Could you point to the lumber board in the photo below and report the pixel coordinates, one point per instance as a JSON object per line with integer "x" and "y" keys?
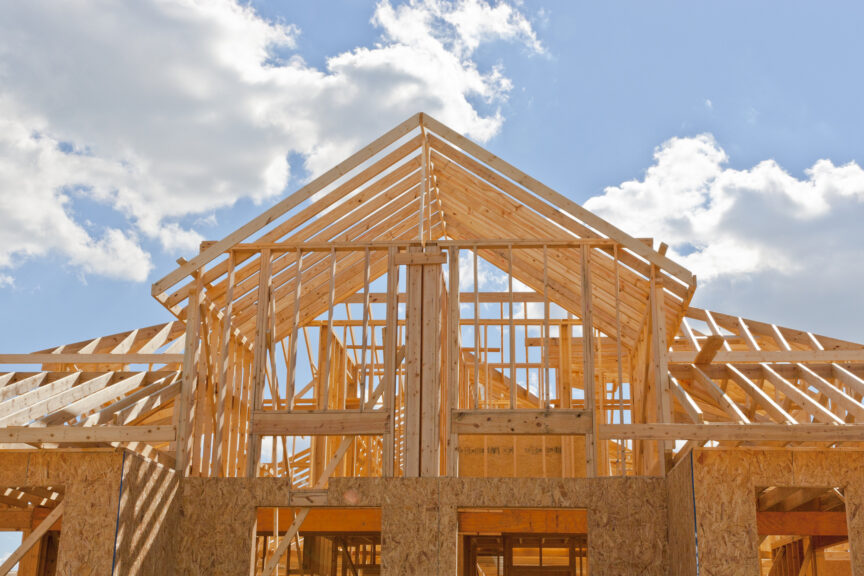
{"x": 329, "y": 423}
{"x": 86, "y": 434}
{"x": 524, "y": 521}
{"x": 521, "y": 421}
{"x": 736, "y": 432}
{"x": 804, "y": 523}
{"x": 78, "y": 358}
{"x": 417, "y": 259}
{"x": 759, "y": 356}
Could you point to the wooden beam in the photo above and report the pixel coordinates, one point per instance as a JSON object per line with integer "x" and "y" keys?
{"x": 801, "y": 524}
{"x": 838, "y": 397}
{"x": 588, "y": 369}
{"x": 413, "y": 368}
{"x": 91, "y": 358}
{"x": 660, "y": 364}
{"x": 453, "y": 358}
{"x": 787, "y": 499}
{"x": 709, "y": 349}
{"x": 184, "y": 412}
{"x": 329, "y": 423}
{"x": 390, "y": 359}
{"x": 760, "y": 396}
{"x": 719, "y": 396}
{"x": 87, "y": 434}
{"x": 16, "y": 520}
{"x": 795, "y": 394}
{"x": 523, "y": 521}
{"x": 290, "y": 244}
{"x": 737, "y": 432}
{"x": 259, "y": 359}
{"x": 556, "y": 421}
{"x": 430, "y": 382}
{"x": 758, "y": 356}
{"x": 694, "y": 412}
{"x": 420, "y": 258}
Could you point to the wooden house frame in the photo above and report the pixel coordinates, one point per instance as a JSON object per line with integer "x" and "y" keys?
{"x": 353, "y": 315}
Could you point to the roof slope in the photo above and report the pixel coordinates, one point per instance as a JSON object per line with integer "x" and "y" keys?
{"x": 424, "y": 183}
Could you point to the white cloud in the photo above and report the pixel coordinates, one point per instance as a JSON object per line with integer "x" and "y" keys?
{"x": 164, "y": 111}
{"x": 37, "y": 184}
{"x": 761, "y": 241}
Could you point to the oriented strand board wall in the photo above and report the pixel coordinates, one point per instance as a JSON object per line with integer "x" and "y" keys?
{"x": 91, "y": 525}
{"x": 149, "y": 513}
{"x": 725, "y": 485}
{"x": 627, "y": 526}
{"x": 92, "y": 482}
{"x": 217, "y": 518}
{"x": 626, "y": 517}
{"x": 682, "y": 536}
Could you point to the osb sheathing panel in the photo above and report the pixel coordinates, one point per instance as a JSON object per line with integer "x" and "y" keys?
{"x": 627, "y": 526}
{"x": 92, "y": 488}
{"x": 410, "y": 530}
{"x": 626, "y": 517}
{"x": 725, "y": 489}
{"x": 217, "y": 517}
{"x": 149, "y": 512}
{"x": 682, "y": 536}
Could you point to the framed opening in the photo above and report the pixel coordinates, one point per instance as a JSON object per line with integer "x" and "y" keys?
{"x": 30, "y": 523}
{"x": 329, "y": 541}
{"x": 523, "y": 542}
{"x": 803, "y": 531}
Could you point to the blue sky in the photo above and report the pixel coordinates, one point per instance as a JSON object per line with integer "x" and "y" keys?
{"x": 594, "y": 90}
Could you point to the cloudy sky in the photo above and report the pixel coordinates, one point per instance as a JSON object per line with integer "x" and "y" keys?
{"x": 130, "y": 131}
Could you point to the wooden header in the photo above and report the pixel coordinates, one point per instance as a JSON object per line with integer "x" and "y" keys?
{"x": 558, "y": 421}
{"x": 329, "y": 423}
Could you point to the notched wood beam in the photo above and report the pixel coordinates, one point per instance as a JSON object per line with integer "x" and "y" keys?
{"x": 709, "y": 349}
